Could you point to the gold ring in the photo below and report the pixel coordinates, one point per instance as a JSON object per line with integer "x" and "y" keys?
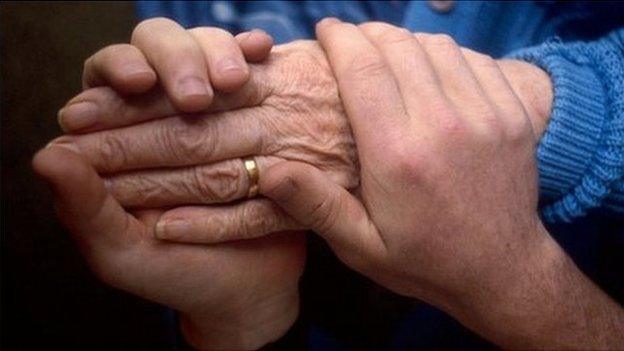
{"x": 253, "y": 175}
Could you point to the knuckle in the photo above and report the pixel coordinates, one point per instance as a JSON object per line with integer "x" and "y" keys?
{"x": 323, "y": 215}
{"x": 406, "y": 164}
{"x": 374, "y": 27}
{"x": 443, "y": 42}
{"x": 395, "y": 36}
{"x": 209, "y": 32}
{"x": 256, "y": 221}
{"x": 446, "y": 117}
{"x": 367, "y": 66}
{"x": 519, "y": 129}
{"x": 490, "y": 118}
{"x": 481, "y": 60}
{"x": 186, "y": 142}
{"x": 490, "y": 132}
{"x": 219, "y": 183}
{"x": 422, "y": 37}
{"x": 145, "y": 29}
{"x": 113, "y": 151}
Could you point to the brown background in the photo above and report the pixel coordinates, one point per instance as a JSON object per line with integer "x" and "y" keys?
{"x": 48, "y": 296}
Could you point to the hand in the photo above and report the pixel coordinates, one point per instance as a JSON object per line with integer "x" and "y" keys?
{"x": 189, "y": 65}
{"x": 447, "y": 207}
{"x": 295, "y": 115}
{"x": 233, "y": 296}
{"x": 238, "y": 295}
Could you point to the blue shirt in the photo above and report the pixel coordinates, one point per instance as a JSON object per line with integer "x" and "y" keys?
{"x": 580, "y": 157}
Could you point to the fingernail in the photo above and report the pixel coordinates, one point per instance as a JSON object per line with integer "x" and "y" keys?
{"x": 77, "y": 116}
{"x": 228, "y": 65}
{"x": 172, "y": 229}
{"x": 192, "y": 86}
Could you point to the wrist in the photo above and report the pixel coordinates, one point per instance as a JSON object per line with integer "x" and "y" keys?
{"x": 542, "y": 300}
{"x": 247, "y": 329}
{"x": 533, "y": 87}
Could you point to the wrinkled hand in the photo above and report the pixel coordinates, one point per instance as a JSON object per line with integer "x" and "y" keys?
{"x": 238, "y": 295}
{"x": 447, "y": 206}
{"x": 289, "y": 110}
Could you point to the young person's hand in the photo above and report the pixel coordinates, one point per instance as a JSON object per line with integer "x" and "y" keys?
{"x": 190, "y": 65}
{"x": 446, "y": 210}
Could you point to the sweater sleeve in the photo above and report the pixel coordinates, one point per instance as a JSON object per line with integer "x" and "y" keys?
{"x": 581, "y": 155}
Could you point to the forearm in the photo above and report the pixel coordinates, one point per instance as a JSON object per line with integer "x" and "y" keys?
{"x": 547, "y": 303}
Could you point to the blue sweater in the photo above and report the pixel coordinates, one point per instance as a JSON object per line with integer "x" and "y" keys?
{"x": 580, "y": 157}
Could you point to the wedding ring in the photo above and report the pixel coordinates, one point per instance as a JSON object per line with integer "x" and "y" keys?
{"x": 253, "y": 175}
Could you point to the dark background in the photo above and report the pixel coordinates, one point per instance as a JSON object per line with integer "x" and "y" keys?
{"x": 48, "y": 295}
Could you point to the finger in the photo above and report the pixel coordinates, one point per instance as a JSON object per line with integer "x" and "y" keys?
{"x": 178, "y": 60}
{"x": 226, "y": 63}
{"x": 456, "y": 79}
{"x": 122, "y": 66}
{"x": 85, "y": 208}
{"x": 409, "y": 63}
{"x": 256, "y": 44}
{"x": 214, "y": 183}
{"x": 103, "y": 108}
{"x": 174, "y": 141}
{"x": 367, "y": 87}
{"x": 209, "y": 225}
{"x": 497, "y": 88}
{"x": 321, "y": 205}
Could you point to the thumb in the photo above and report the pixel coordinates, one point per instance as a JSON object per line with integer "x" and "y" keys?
{"x": 83, "y": 204}
{"x": 307, "y": 195}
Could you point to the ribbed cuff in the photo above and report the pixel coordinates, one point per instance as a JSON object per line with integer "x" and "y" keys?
{"x": 580, "y": 157}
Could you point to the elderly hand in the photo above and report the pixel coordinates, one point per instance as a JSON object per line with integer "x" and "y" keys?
{"x": 238, "y": 295}
{"x": 290, "y": 111}
{"x": 447, "y": 206}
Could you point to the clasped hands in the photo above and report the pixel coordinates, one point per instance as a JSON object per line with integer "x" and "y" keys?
{"x": 412, "y": 157}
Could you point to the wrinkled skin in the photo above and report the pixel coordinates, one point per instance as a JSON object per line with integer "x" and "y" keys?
{"x": 236, "y": 295}
{"x": 291, "y": 111}
{"x": 294, "y": 113}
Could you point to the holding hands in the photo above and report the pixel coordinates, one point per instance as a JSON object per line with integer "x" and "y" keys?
{"x": 438, "y": 201}
{"x": 235, "y": 295}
